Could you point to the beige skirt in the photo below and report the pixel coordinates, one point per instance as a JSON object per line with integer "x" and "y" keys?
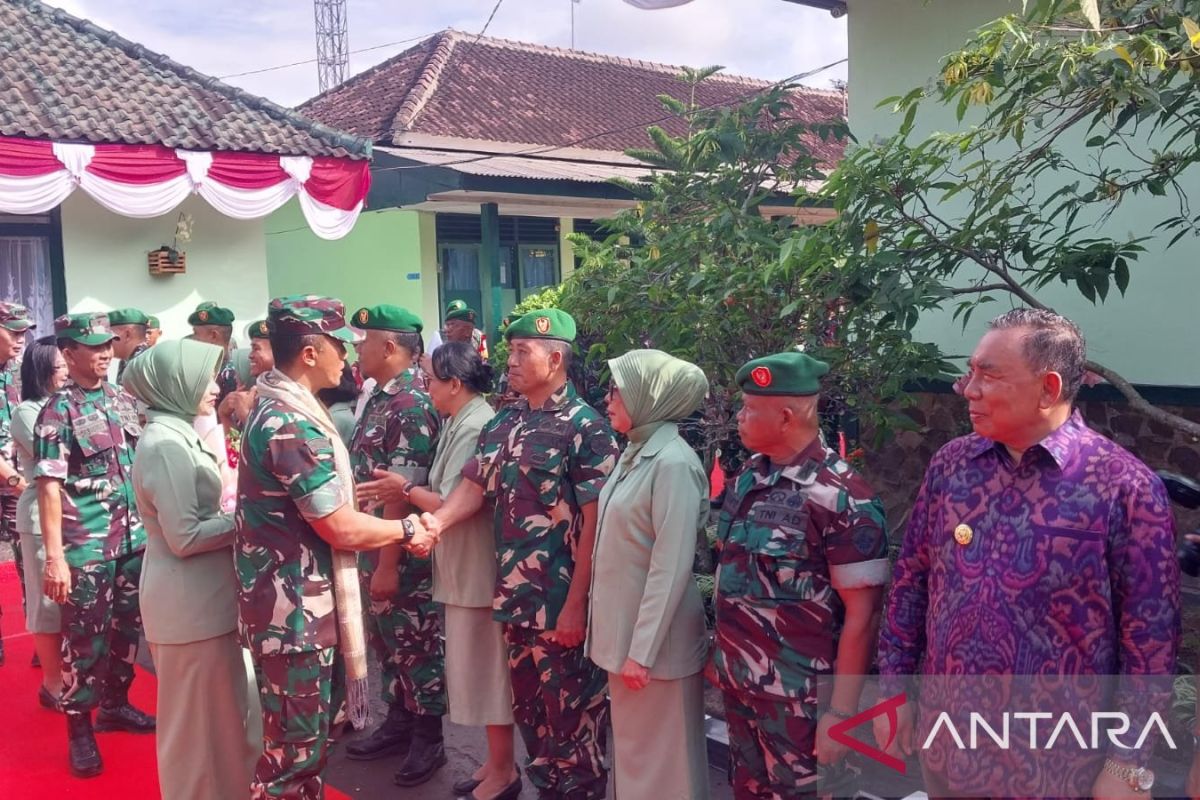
{"x": 204, "y": 749}
{"x": 42, "y": 615}
{"x": 477, "y": 682}
{"x": 658, "y": 739}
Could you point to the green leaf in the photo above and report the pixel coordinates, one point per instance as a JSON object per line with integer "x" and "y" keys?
{"x": 1084, "y": 284}
{"x": 1121, "y": 274}
{"x": 1096, "y": 141}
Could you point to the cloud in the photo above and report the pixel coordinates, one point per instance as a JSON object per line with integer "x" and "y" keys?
{"x": 760, "y": 38}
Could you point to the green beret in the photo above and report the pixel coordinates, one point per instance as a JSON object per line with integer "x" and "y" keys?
{"x": 259, "y": 330}
{"x": 90, "y": 328}
{"x": 545, "y": 323}
{"x": 791, "y": 373}
{"x": 209, "y": 313}
{"x": 386, "y": 317}
{"x": 459, "y": 309}
{"x": 128, "y": 316}
{"x": 307, "y": 314}
{"x": 153, "y": 324}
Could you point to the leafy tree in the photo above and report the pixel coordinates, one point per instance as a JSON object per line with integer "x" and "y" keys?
{"x": 703, "y": 270}
{"x": 1077, "y": 108}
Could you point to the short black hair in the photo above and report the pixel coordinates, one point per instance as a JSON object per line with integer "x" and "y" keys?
{"x": 461, "y": 360}
{"x": 286, "y": 347}
{"x": 37, "y": 368}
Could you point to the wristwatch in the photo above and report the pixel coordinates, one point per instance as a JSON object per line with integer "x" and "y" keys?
{"x": 409, "y": 530}
{"x": 14, "y": 480}
{"x": 1140, "y": 779}
{"x": 407, "y": 488}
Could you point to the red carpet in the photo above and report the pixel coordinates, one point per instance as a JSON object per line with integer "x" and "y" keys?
{"x": 33, "y": 741}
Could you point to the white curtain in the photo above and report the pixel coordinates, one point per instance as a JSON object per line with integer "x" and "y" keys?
{"x": 25, "y": 278}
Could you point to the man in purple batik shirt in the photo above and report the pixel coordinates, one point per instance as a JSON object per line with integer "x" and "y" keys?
{"x": 1037, "y": 547}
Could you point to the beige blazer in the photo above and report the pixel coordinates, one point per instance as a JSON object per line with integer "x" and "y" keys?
{"x": 644, "y": 601}
{"x": 188, "y": 587}
{"x": 464, "y": 561}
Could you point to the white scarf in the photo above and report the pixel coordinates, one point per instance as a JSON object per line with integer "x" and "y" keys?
{"x": 351, "y": 633}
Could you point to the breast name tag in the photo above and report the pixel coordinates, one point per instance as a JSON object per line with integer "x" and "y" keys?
{"x": 89, "y": 426}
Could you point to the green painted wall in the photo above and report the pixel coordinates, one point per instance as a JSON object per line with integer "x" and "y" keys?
{"x": 104, "y": 258}
{"x": 1148, "y": 335}
{"x": 389, "y": 257}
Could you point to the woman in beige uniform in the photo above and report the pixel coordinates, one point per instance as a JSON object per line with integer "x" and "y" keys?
{"x": 464, "y": 575}
{"x": 646, "y": 625}
{"x": 188, "y": 585}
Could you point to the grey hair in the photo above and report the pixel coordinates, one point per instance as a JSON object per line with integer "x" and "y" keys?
{"x": 558, "y": 346}
{"x": 1053, "y": 344}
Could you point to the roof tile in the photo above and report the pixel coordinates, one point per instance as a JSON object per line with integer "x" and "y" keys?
{"x": 467, "y": 87}
{"x": 62, "y": 77}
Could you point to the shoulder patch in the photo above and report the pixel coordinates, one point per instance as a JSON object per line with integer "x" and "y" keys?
{"x": 318, "y": 444}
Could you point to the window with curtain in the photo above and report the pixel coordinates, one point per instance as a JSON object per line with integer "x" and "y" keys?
{"x": 539, "y": 267}
{"x": 25, "y": 277}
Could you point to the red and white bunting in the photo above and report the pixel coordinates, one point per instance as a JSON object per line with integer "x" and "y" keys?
{"x": 144, "y": 181}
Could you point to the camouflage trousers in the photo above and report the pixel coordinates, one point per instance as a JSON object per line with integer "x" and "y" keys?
{"x": 101, "y": 625}
{"x": 406, "y": 634}
{"x": 561, "y": 709}
{"x": 299, "y": 693}
{"x": 771, "y": 744}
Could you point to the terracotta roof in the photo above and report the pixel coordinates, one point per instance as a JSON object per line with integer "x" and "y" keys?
{"x": 463, "y": 87}
{"x": 65, "y": 78}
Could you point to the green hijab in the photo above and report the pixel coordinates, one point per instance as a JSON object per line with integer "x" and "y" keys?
{"x": 173, "y": 376}
{"x": 656, "y": 388}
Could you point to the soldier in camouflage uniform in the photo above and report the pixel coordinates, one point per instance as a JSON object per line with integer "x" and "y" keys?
{"x": 395, "y": 438}
{"x": 213, "y": 324}
{"x": 83, "y": 441}
{"x": 543, "y": 460}
{"x": 800, "y": 576}
{"x": 14, "y": 322}
{"x": 294, "y": 506}
{"x": 153, "y": 330}
{"x": 131, "y": 326}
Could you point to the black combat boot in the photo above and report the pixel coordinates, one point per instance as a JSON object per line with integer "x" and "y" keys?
{"x": 123, "y": 717}
{"x": 393, "y": 736}
{"x": 426, "y": 754}
{"x": 81, "y": 746}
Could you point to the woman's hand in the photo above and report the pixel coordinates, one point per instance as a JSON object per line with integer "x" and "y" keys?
{"x": 635, "y": 676}
{"x": 387, "y": 488}
{"x": 56, "y": 580}
{"x": 384, "y": 583}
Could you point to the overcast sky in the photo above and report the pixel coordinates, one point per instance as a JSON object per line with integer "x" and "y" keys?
{"x": 760, "y": 38}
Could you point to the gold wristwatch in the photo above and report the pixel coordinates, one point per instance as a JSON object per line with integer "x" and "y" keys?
{"x": 1140, "y": 779}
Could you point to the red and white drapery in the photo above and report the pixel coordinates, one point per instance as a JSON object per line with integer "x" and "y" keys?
{"x": 143, "y": 181}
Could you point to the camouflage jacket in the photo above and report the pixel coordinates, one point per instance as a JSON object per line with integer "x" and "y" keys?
{"x": 398, "y": 428}
{"x": 10, "y": 398}
{"x": 789, "y": 537}
{"x": 540, "y": 466}
{"x": 286, "y": 477}
{"x": 85, "y": 438}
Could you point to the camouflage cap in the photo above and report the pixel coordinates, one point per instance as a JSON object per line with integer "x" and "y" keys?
{"x": 128, "y": 316}
{"x": 209, "y": 313}
{"x": 306, "y": 314}
{"x": 458, "y": 309}
{"x": 386, "y": 317}
{"x": 15, "y": 317}
{"x": 152, "y": 323}
{"x": 259, "y": 330}
{"x": 545, "y": 323}
{"x": 791, "y": 373}
{"x": 90, "y": 328}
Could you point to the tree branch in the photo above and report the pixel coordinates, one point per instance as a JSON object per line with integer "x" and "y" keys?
{"x": 985, "y": 287}
{"x": 1142, "y": 405}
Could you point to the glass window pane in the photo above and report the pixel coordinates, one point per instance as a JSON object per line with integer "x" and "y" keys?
{"x": 539, "y": 267}
{"x": 25, "y": 277}
{"x": 461, "y": 268}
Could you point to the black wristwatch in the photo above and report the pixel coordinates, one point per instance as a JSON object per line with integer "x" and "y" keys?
{"x": 406, "y": 490}
{"x": 409, "y": 530}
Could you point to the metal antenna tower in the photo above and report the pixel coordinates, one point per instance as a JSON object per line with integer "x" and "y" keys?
{"x": 332, "y": 42}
